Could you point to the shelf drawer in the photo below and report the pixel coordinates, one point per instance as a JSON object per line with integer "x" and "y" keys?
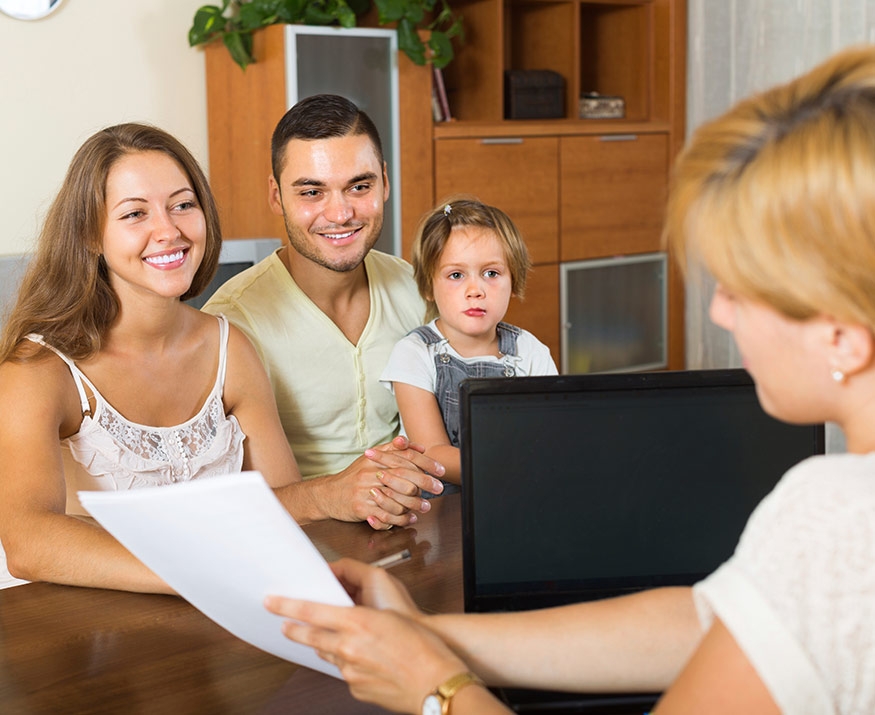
{"x": 613, "y": 194}
{"x": 518, "y": 175}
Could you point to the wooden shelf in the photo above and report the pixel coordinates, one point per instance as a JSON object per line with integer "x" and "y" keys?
{"x": 577, "y": 188}
{"x": 546, "y": 127}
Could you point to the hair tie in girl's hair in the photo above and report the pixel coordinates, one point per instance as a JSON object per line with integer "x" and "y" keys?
{"x": 448, "y": 210}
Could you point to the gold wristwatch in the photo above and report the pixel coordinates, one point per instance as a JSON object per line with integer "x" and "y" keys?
{"x": 438, "y": 702}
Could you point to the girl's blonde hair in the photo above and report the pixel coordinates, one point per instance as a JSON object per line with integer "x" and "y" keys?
{"x": 462, "y": 210}
{"x": 65, "y": 294}
{"x": 777, "y": 196}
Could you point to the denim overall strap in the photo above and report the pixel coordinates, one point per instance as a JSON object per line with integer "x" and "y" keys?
{"x": 507, "y": 337}
{"x": 450, "y": 371}
{"x": 428, "y": 336}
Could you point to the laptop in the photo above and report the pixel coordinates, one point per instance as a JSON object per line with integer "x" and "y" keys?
{"x": 579, "y": 487}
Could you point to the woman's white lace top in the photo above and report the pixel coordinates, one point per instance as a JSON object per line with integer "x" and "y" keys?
{"x": 798, "y": 594}
{"x": 111, "y": 453}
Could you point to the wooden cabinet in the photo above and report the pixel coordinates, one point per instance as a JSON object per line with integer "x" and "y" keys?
{"x": 579, "y": 189}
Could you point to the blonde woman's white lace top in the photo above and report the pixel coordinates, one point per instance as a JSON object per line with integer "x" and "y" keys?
{"x": 798, "y": 594}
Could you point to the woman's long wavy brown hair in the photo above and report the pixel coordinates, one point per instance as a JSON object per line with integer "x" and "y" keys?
{"x": 65, "y": 294}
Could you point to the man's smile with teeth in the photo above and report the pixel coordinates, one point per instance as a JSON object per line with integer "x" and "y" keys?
{"x": 166, "y": 258}
{"x": 336, "y": 236}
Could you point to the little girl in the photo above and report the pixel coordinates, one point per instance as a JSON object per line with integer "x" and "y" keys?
{"x": 468, "y": 260}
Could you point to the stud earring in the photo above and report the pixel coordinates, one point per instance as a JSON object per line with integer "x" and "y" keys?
{"x": 837, "y": 375}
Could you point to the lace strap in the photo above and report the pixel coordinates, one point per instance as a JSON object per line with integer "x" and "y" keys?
{"x": 78, "y": 376}
{"x": 224, "y": 332}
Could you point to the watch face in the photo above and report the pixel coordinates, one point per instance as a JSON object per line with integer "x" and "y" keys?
{"x": 432, "y": 706}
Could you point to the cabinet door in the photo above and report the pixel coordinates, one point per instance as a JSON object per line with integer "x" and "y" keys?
{"x": 613, "y": 194}
{"x": 519, "y": 176}
{"x": 539, "y": 313}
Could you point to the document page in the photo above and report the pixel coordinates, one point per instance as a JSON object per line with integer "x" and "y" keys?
{"x": 224, "y": 544}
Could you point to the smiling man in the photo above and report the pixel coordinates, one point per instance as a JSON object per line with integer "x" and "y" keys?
{"x": 325, "y": 310}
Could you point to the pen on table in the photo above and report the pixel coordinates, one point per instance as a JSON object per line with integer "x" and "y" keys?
{"x": 391, "y": 559}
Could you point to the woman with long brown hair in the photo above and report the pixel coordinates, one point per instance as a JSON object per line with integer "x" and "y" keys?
{"x": 108, "y": 380}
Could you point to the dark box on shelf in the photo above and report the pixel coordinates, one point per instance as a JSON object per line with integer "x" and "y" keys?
{"x": 534, "y": 94}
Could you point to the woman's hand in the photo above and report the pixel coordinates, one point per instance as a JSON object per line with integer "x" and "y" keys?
{"x": 374, "y": 587}
{"x": 385, "y": 658}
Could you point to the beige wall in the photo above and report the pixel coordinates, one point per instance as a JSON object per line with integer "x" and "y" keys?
{"x": 90, "y": 64}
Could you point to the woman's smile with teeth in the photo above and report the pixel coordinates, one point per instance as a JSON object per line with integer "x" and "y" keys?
{"x": 166, "y": 258}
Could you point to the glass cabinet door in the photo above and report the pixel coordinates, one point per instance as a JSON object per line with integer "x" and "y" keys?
{"x": 614, "y": 314}
{"x": 360, "y": 64}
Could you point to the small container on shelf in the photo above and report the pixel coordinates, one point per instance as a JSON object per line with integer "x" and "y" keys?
{"x": 534, "y": 94}
{"x": 596, "y": 106}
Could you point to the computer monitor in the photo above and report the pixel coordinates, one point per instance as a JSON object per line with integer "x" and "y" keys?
{"x": 576, "y": 487}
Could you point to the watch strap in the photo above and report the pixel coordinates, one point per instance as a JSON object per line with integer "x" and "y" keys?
{"x": 453, "y": 685}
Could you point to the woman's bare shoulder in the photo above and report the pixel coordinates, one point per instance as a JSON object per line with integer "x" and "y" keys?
{"x": 40, "y": 387}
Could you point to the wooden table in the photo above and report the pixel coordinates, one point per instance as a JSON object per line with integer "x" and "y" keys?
{"x": 82, "y": 650}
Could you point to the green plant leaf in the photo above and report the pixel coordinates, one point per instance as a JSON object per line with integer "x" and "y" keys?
{"x": 316, "y": 13}
{"x": 236, "y": 20}
{"x": 409, "y": 41}
{"x": 389, "y": 11}
{"x": 340, "y": 12}
{"x": 441, "y": 48}
{"x": 291, "y": 11}
{"x": 457, "y": 29}
{"x": 208, "y": 22}
{"x": 239, "y": 44}
{"x": 254, "y": 15}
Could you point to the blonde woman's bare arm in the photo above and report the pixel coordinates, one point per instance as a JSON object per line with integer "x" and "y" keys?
{"x": 718, "y": 679}
{"x": 635, "y": 643}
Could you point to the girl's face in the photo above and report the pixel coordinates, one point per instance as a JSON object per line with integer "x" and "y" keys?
{"x": 783, "y": 356}
{"x": 155, "y": 230}
{"x": 471, "y": 284}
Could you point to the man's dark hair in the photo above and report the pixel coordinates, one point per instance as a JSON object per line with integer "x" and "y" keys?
{"x": 322, "y": 116}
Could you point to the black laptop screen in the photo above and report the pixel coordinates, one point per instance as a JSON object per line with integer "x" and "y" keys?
{"x": 586, "y": 486}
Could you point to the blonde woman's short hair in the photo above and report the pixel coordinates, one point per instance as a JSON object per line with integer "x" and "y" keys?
{"x": 777, "y": 196}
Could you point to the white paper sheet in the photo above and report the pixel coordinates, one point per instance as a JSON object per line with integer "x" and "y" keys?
{"x": 224, "y": 544}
